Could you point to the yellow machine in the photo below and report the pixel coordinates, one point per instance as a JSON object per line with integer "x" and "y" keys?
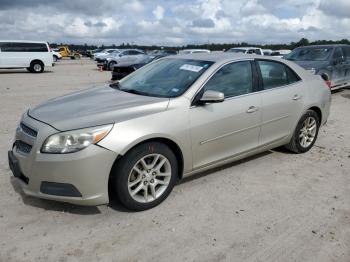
{"x": 65, "y": 52}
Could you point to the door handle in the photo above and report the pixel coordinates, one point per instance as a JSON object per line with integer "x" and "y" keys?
{"x": 252, "y": 109}
{"x": 296, "y": 97}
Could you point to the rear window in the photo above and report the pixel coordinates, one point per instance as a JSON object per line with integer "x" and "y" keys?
{"x": 23, "y": 47}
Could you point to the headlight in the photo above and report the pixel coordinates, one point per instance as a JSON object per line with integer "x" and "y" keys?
{"x": 76, "y": 140}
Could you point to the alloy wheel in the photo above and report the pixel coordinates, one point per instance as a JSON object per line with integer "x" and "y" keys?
{"x": 149, "y": 178}
{"x": 308, "y": 132}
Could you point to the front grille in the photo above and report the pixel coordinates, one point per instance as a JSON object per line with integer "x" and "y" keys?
{"x": 23, "y": 147}
{"x": 29, "y": 131}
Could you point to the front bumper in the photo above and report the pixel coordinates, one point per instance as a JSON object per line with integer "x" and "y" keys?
{"x": 77, "y": 178}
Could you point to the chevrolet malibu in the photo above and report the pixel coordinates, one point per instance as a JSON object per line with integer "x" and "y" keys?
{"x": 174, "y": 117}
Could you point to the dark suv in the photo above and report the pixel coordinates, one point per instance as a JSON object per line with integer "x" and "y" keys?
{"x": 332, "y": 62}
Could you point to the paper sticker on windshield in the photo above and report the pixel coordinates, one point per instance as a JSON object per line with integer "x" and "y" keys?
{"x": 192, "y": 68}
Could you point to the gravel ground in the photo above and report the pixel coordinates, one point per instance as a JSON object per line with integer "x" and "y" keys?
{"x": 275, "y": 206}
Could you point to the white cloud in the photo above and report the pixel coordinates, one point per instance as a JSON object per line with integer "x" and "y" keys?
{"x": 175, "y": 21}
{"x": 158, "y": 12}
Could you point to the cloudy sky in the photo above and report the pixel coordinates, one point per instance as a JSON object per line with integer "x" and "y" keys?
{"x": 174, "y": 22}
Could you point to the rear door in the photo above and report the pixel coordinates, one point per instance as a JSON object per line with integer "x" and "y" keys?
{"x": 282, "y": 100}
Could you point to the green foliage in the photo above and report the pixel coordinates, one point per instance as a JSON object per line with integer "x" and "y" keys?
{"x": 210, "y": 46}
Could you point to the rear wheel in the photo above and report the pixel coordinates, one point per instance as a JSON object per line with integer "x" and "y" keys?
{"x": 55, "y": 58}
{"x": 145, "y": 176}
{"x": 305, "y": 134}
{"x": 36, "y": 67}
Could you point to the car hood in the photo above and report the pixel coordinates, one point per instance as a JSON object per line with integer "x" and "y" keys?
{"x": 95, "y": 106}
{"x": 311, "y": 64}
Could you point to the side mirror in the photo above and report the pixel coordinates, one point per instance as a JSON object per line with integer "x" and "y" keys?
{"x": 211, "y": 96}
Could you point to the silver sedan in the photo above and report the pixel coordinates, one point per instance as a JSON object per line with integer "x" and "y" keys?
{"x": 172, "y": 118}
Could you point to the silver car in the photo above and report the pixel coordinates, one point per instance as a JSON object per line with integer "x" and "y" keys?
{"x": 172, "y": 118}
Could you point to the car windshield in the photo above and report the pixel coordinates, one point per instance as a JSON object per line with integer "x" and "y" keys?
{"x": 164, "y": 78}
{"x": 309, "y": 54}
{"x": 236, "y": 50}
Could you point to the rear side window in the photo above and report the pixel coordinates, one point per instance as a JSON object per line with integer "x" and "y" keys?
{"x": 233, "y": 79}
{"x": 276, "y": 74}
{"x": 23, "y": 47}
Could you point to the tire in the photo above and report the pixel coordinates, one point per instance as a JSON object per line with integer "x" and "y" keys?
{"x": 303, "y": 139}
{"x": 130, "y": 175}
{"x": 111, "y": 65}
{"x": 55, "y": 58}
{"x": 36, "y": 67}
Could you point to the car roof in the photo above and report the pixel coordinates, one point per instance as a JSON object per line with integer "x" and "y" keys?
{"x": 217, "y": 57}
{"x": 245, "y": 47}
{"x": 322, "y": 46}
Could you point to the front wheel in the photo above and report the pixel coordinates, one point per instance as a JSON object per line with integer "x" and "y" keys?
{"x": 111, "y": 65}
{"x": 145, "y": 176}
{"x": 305, "y": 134}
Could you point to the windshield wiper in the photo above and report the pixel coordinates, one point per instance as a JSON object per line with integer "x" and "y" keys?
{"x": 134, "y": 91}
{"x": 115, "y": 85}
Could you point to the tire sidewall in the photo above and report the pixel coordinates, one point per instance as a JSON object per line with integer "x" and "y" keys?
{"x": 309, "y": 113}
{"x": 37, "y": 63}
{"x": 127, "y": 162}
{"x": 110, "y": 64}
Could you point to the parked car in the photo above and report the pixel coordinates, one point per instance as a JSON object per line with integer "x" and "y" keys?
{"x": 246, "y": 50}
{"x": 193, "y": 51}
{"x": 102, "y": 56}
{"x": 330, "y": 61}
{"x": 35, "y": 56}
{"x": 126, "y": 55}
{"x": 267, "y": 51}
{"x": 280, "y": 53}
{"x": 56, "y": 55}
{"x": 172, "y": 118}
{"x": 162, "y": 52}
{"x": 123, "y": 69}
{"x": 104, "y": 52}
{"x": 66, "y": 52}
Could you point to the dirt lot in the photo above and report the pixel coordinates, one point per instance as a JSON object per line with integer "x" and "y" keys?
{"x": 275, "y": 206}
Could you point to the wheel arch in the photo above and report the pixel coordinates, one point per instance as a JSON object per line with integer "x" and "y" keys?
{"x": 318, "y": 112}
{"x": 167, "y": 141}
{"x": 36, "y": 60}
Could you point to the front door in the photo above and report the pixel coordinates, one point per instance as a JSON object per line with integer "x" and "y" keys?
{"x": 222, "y": 130}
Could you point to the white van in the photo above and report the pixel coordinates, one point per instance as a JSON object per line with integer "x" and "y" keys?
{"x": 33, "y": 55}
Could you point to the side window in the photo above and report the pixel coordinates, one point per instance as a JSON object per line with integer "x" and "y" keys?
{"x": 125, "y": 53}
{"x": 273, "y": 74}
{"x": 134, "y": 52}
{"x": 292, "y": 76}
{"x": 346, "y": 51}
{"x": 233, "y": 79}
{"x": 5, "y": 47}
{"x": 258, "y": 52}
